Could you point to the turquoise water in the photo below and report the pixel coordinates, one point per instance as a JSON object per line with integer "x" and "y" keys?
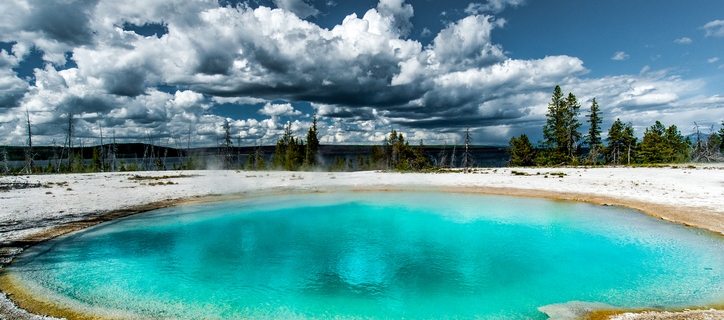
{"x": 375, "y": 255}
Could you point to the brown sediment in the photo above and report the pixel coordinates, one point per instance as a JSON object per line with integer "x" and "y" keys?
{"x": 688, "y": 216}
{"x": 36, "y": 305}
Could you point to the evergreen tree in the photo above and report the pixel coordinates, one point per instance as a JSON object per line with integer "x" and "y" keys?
{"x": 663, "y": 145}
{"x": 77, "y": 165}
{"x": 653, "y": 146}
{"x": 678, "y": 146}
{"x": 552, "y": 130}
{"x": 594, "y": 133}
{"x": 560, "y": 133}
{"x": 522, "y": 152}
{"x": 398, "y": 154}
{"x": 629, "y": 143}
{"x": 573, "y": 136}
{"x": 720, "y": 133}
{"x": 95, "y": 164}
{"x": 294, "y": 155}
{"x": 621, "y": 143}
{"x": 310, "y": 155}
{"x": 280, "y": 152}
{"x": 377, "y": 158}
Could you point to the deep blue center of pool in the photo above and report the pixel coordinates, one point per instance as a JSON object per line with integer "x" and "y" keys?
{"x": 375, "y": 255}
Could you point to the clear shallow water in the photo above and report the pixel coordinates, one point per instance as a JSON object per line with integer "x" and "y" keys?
{"x": 375, "y": 255}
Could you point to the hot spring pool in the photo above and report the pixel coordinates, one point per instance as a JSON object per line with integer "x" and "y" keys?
{"x": 374, "y": 255}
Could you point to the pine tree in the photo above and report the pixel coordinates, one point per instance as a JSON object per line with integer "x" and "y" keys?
{"x": 629, "y": 142}
{"x": 310, "y": 155}
{"x": 573, "y": 136}
{"x": 560, "y": 133}
{"x": 294, "y": 157}
{"x": 377, "y": 157}
{"x": 594, "y": 133}
{"x": 552, "y": 134}
{"x": 280, "y": 152}
{"x": 522, "y": 152}
{"x": 720, "y": 133}
{"x": 677, "y": 144}
{"x": 96, "y": 163}
{"x": 615, "y": 142}
{"x": 664, "y": 145}
{"x": 621, "y": 143}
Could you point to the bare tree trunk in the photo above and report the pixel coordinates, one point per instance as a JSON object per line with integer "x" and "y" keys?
{"x": 29, "y": 152}
{"x": 467, "y": 158}
{"x": 103, "y": 157}
{"x": 112, "y": 152}
{"x": 69, "y": 142}
{"x": 452, "y": 158}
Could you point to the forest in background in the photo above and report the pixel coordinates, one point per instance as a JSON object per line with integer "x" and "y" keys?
{"x": 289, "y": 153}
{"x": 563, "y": 144}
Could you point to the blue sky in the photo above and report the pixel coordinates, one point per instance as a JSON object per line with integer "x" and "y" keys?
{"x": 427, "y": 68}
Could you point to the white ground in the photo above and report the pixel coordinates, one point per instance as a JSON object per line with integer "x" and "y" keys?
{"x": 690, "y": 195}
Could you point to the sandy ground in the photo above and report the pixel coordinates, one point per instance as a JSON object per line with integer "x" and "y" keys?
{"x": 688, "y": 195}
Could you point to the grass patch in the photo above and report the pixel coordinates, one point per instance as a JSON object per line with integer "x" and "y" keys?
{"x": 141, "y": 178}
{"x": 559, "y": 174}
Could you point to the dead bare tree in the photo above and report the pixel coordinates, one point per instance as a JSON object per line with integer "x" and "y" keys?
{"x": 443, "y": 155}
{"x": 704, "y": 150}
{"x": 68, "y": 141}
{"x": 112, "y": 152}
{"x": 103, "y": 157}
{"x": 29, "y": 151}
{"x": 145, "y": 151}
{"x": 165, "y": 153}
{"x": 227, "y": 145}
{"x": 467, "y": 159}
{"x": 238, "y": 150}
{"x": 452, "y": 157}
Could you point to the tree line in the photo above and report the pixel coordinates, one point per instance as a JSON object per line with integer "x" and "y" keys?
{"x": 290, "y": 153}
{"x": 564, "y": 144}
{"x": 293, "y": 154}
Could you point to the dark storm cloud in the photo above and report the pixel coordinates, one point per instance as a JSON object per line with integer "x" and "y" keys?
{"x": 12, "y": 90}
{"x": 64, "y": 21}
{"x": 127, "y": 82}
{"x": 456, "y": 118}
{"x": 374, "y": 93}
{"x": 215, "y": 63}
{"x": 10, "y": 98}
{"x": 85, "y": 105}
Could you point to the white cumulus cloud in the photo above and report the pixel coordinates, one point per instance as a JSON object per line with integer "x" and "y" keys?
{"x": 714, "y": 28}
{"x": 620, "y": 56}
{"x": 684, "y": 40}
{"x": 284, "y": 109}
{"x": 493, "y": 6}
{"x": 361, "y": 76}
